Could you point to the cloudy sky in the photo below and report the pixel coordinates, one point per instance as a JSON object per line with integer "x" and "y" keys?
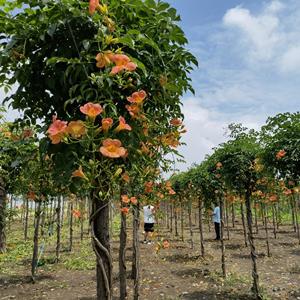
{"x": 249, "y": 66}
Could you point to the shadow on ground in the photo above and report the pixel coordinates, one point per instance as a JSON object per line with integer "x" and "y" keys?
{"x": 219, "y": 296}
{"x": 193, "y": 272}
{"x": 15, "y": 279}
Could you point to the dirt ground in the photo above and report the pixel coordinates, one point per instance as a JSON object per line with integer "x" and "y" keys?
{"x": 178, "y": 272}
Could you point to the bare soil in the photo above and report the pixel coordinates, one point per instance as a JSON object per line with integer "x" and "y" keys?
{"x": 178, "y": 272}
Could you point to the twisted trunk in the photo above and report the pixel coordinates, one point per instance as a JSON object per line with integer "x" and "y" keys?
{"x": 101, "y": 245}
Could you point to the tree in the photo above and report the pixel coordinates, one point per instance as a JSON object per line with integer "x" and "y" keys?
{"x": 140, "y": 72}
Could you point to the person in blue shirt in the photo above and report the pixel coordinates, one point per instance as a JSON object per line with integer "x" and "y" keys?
{"x": 217, "y": 221}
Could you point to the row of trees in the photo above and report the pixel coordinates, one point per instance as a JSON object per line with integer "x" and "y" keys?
{"x": 255, "y": 169}
{"x": 110, "y": 77}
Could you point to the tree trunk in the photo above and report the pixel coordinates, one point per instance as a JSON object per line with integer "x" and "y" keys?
{"x": 71, "y": 227}
{"x": 255, "y": 218}
{"x": 10, "y": 220}
{"x": 266, "y": 230}
{"x": 274, "y": 222}
{"x": 227, "y": 219}
{"x": 34, "y": 261}
{"x": 190, "y": 224}
{"x": 182, "y": 220}
{"x": 26, "y": 219}
{"x": 176, "y": 219}
{"x": 171, "y": 217}
{"x": 222, "y": 238}
{"x": 293, "y": 214}
{"x": 296, "y": 218}
{"x": 255, "y": 283}
{"x": 135, "y": 274}
{"x": 244, "y": 224}
{"x": 122, "y": 258}
{"x": 200, "y": 206}
{"x": 101, "y": 245}
{"x": 2, "y": 216}
{"x": 58, "y": 228}
{"x": 232, "y": 215}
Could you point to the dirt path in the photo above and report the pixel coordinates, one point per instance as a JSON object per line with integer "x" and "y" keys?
{"x": 176, "y": 273}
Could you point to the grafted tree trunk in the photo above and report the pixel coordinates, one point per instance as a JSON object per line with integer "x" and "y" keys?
{"x": 122, "y": 257}
{"x": 2, "y": 216}
{"x": 101, "y": 245}
{"x": 255, "y": 279}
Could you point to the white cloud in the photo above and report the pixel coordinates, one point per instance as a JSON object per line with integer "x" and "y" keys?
{"x": 271, "y": 36}
{"x": 261, "y": 30}
{"x": 290, "y": 60}
{"x": 206, "y": 129}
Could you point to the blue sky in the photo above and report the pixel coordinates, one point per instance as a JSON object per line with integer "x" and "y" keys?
{"x": 249, "y": 66}
{"x": 249, "y": 56}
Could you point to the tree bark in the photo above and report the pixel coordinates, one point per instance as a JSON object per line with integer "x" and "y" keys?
{"x": 232, "y": 215}
{"x": 222, "y": 238}
{"x": 101, "y": 245}
{"x": 71, "y": 227}
{"x": 2, "y": 216}
{"x": 190, "y": 224}
{"x": 267, "y": 233}
{"x": 182, "y": 220}
{"x": 34, "y": 261}
{"x": 227, "y": 219}
{"x": 274, "y": 222}
{"x": 26, "y": 219}
{"x": 200, "y": 207}
{"x": 122, "y": 258}
{"x": 255, "y": 282}
{"x": 58, "y": 228}
{"x": 176, "y": 219}
{"x": 255, "y": 218}
{"x": 135, "y": 272}
{"x": 244, "y": 225}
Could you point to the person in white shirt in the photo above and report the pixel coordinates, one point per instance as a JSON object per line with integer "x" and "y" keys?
{"x": 148, "y": 222}
{"x": 217, "y": 221}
